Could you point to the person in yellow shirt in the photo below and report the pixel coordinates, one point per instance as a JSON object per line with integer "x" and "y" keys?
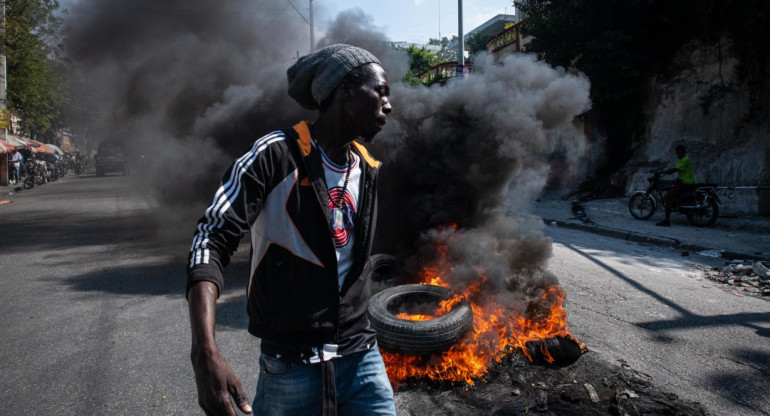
{"x": 684, "y": 181}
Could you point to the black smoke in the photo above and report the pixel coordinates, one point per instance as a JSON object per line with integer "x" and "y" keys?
{"x": 189, "y": 85}
{"x": 465, "y": 161}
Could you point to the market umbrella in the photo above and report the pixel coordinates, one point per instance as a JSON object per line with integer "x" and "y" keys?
{"x": 17, "y": 141}
{"x": 32, "y": 144}
{"x": 41, "y": 149}
{"x": 54, "y": 148}
{"x": 67, "y": 147}
{"x": 6, "y": 147}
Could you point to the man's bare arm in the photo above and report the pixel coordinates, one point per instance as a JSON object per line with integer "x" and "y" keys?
{"x": 216, "y": 381}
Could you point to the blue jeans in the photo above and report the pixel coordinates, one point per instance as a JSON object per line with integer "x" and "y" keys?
{"x": 289, "y": 388}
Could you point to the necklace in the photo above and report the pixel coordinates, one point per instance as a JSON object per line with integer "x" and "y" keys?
{"x": 340, "y": 212}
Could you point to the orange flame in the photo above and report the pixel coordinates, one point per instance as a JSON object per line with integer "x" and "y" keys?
{"x": 497, "y": 332}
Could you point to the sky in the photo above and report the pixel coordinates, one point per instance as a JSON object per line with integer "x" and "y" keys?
{"x": 413, "y": 21}
{"x": 416, "y": 21}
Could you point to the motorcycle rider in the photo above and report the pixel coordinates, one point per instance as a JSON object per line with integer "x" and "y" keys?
{"x": 684, "y": 181}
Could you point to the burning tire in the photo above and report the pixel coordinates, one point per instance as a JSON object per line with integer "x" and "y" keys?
{"x": 418, "y": 337}
{"x": 383, "y": 270}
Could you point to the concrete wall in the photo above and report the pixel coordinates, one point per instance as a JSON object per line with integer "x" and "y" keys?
{"x": 705, "y": 107}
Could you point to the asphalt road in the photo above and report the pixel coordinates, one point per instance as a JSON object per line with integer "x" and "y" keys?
{"x": 94, "y": 318}
{"x": 95, "y": 321}
{"x": 648, "y": 307}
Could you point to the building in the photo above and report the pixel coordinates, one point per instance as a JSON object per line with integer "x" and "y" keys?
{"x": 509, "y": 40}
{"x": 502, "y": 34}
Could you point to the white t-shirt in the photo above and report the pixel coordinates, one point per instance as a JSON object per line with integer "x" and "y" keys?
{"x": 335, "y": 181}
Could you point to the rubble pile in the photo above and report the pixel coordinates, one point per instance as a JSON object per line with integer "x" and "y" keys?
{"x": 750, "y": 277}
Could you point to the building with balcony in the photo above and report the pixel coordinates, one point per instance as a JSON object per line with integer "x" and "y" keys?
{"x": 508, "y": 40}
{"x": 502, "y": 34}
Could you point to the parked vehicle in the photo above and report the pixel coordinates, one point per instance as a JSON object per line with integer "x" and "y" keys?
{"x": 35, "y": 174}
{"x": 700, "y": 204}
{"x": 78, "y": 166}
{"x": 111, "y": 158}
{"x": 62, "y": 167}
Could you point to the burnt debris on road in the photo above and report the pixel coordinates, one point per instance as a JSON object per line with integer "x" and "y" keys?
{"x": 515, "y": 386}
{"x": 741, "y": 276}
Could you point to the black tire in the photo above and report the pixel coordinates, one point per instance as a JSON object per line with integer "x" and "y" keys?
{"x": 418, "y": 337}
{"x": 642, "y": 206}
{"x": 704, "y": 217}
{"x": 382, "y": 266}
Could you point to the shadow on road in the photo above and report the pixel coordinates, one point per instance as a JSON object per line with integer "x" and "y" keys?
{"x": 735, "y": 386}
{"x": 167, "y": 279}
{"x": 688, "y": 319}
{"x": 730, "y": 385}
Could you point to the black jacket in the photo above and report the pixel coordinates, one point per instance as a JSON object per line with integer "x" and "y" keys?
{"x": 277, "y": 192}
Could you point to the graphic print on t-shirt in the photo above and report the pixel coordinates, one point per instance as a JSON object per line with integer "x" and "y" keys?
{"x": 335, "y": 180}
{"x": 342, "y": 236}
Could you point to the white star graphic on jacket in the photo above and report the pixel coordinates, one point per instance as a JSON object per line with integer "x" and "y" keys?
{"x": 273, "y": 226}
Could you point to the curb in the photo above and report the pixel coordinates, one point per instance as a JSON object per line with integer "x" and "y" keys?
{"x": 647, "y": 239}
{"x": 616, "y": 233}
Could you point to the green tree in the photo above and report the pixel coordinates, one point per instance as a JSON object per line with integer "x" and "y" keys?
{"x": 36, "y": 78}
{"x": 475, "y": 43}
{"x": 420, "y": 60}
{"x": 622, "y": 44}
{"x": 445, "y": 54}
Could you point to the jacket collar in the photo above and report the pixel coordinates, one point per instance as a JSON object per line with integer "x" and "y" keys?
{"x": 305, "y": 142}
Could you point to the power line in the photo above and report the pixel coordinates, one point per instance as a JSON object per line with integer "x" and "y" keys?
{"x": 298, "y": 12}
{"x": 264, "y": 17}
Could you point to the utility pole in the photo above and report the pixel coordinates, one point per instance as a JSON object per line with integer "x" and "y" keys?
{"x": 312, "y": 28}
{"x": 461, "y": 48}
{"x": 3, "y": 103}
{"x": 4, "y": 72}
{"x": 310, "y": 22}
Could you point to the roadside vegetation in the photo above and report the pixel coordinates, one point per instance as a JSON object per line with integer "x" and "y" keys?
{"x": 422, "y": 59}
{"x": 37, "y": 79}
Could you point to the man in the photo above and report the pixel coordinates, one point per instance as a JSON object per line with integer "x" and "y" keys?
{"x": 684, "y": 181}
{"x": 307, "y": 196}
{"x": 15, "y": 163}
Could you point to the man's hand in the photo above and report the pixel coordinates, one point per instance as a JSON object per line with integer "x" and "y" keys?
{"x": 216, "y": 381}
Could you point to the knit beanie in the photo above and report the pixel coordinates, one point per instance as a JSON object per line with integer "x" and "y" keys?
{"x": 315, "y": 76}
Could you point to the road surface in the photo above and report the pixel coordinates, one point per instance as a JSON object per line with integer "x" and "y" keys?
{"x": 95, "y": 320}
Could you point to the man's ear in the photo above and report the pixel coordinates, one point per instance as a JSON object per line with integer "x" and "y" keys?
{"x": 345, "y": 89}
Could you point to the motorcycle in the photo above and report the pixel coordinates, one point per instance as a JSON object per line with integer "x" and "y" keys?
{"x": 34, "y": 175}
{"x": 700, "y": 203}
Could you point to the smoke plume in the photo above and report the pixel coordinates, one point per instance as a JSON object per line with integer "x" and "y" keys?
{"x": 465, "y": 161}
{"x": 189, "y": 85}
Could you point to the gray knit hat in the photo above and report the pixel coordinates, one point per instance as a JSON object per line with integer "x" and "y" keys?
{"x": 315, "y": 76}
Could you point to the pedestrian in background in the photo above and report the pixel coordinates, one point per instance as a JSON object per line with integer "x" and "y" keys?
{"x": 14, "y": 161}
{"x": 307, "y": 196}
{"x": 23, "y": 164}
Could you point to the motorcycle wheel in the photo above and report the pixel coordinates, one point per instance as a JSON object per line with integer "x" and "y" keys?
{"x": 706, "y": 216}
{"x": 641, "y": 206}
